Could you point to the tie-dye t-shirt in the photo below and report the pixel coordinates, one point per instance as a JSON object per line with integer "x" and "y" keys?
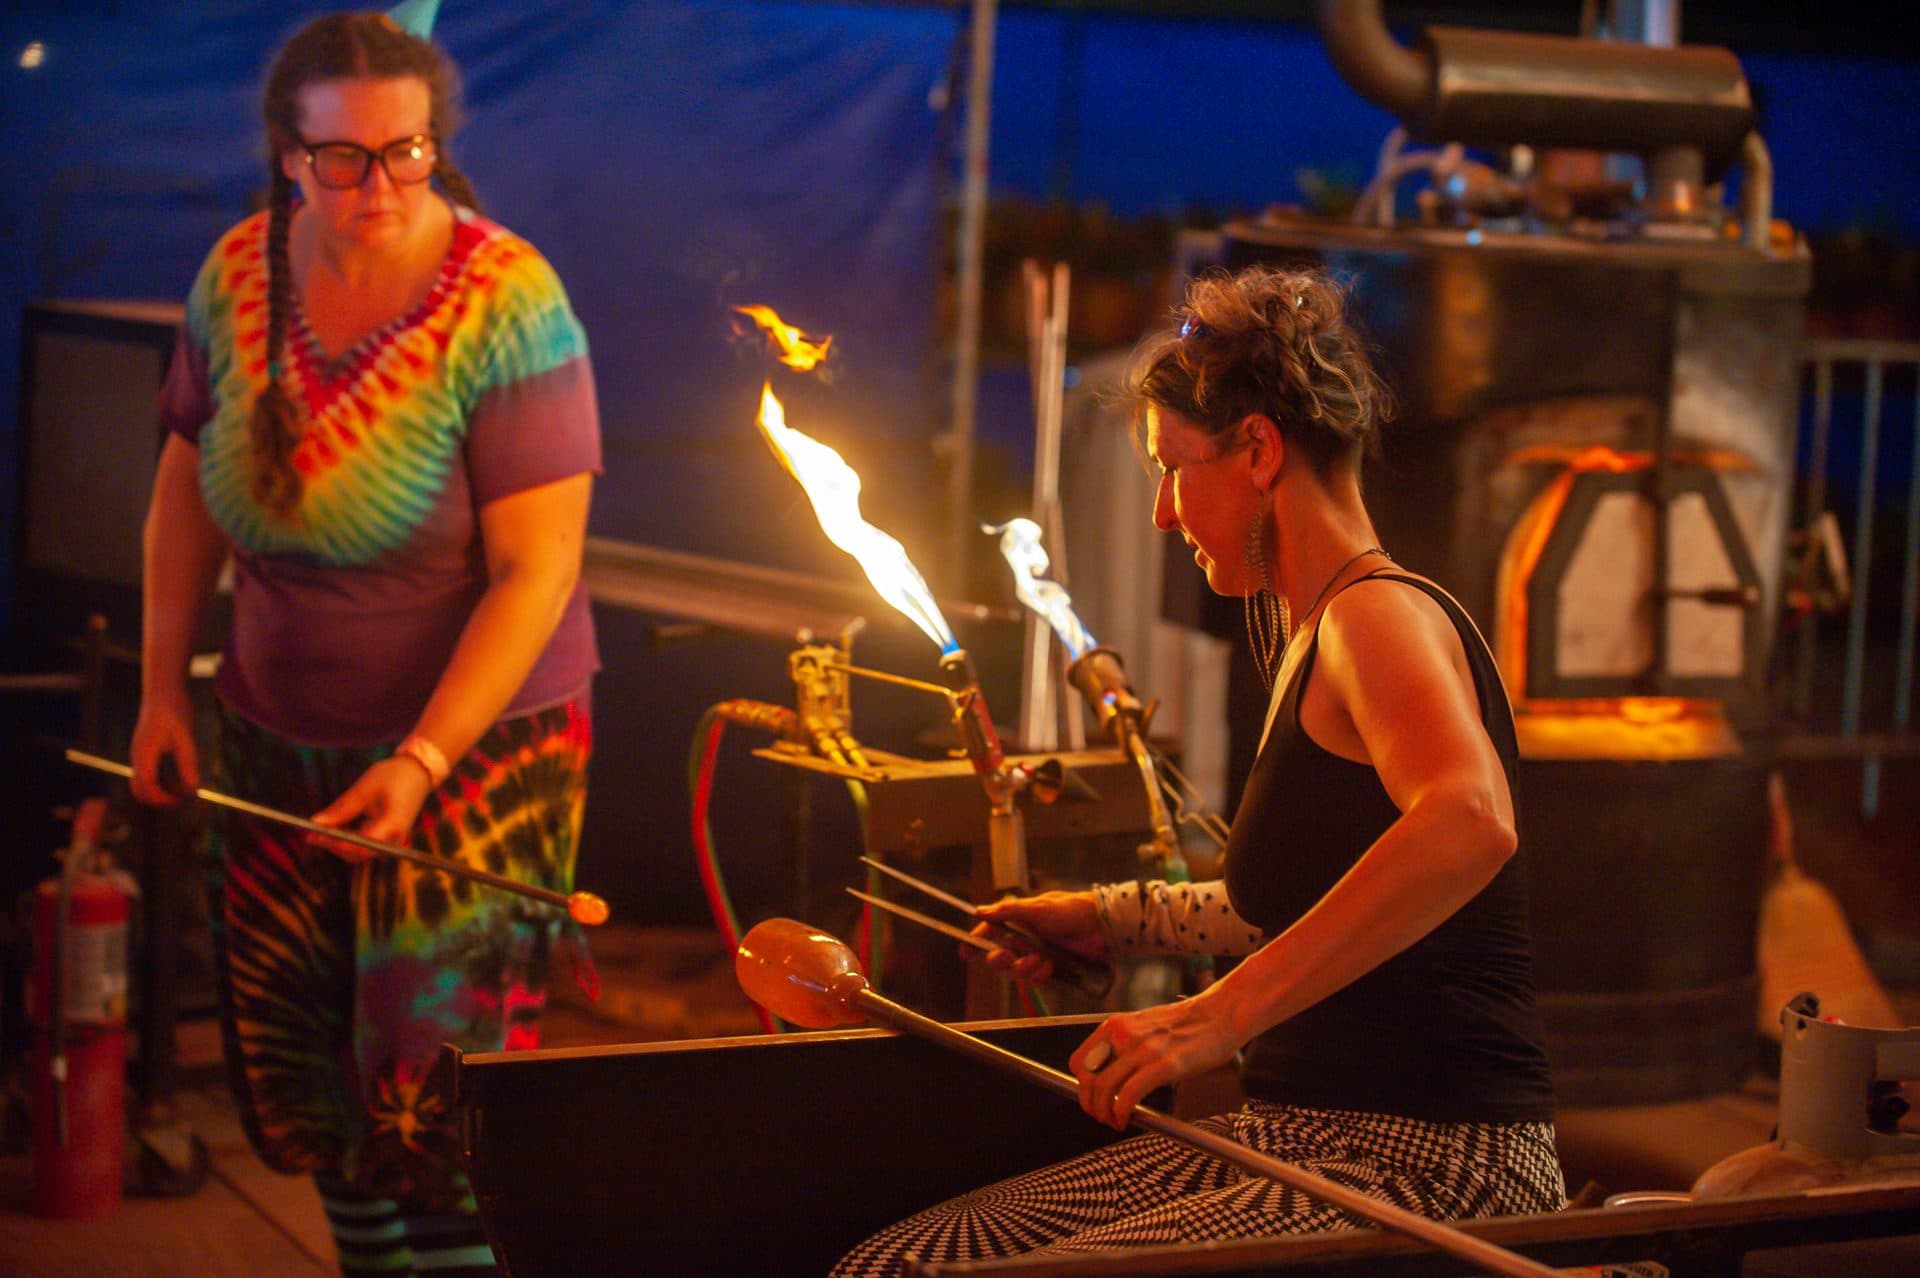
{"x": 346, "y": 613}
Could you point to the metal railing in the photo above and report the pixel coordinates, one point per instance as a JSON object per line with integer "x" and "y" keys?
{"x": 1881, "y": 401}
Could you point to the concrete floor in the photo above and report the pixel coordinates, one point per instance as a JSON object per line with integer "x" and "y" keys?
{"x": 249, "y": 1222}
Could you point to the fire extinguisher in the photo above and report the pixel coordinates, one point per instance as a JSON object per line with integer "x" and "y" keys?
{"x": 78, "y": 1008}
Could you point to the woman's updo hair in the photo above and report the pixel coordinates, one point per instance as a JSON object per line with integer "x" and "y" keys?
{"x": 1274, "y": 342}
{"x": 339, "y": 46}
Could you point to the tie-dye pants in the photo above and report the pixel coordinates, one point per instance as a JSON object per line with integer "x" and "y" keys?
{"x": 340, "y": 981}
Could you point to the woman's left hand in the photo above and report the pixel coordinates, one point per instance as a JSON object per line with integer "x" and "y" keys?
{"x": 382, "y": 805}
{"x": 1135, "y": 1052}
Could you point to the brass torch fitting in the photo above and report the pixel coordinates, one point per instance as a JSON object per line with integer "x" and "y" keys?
{"x": 823, "y": 703}
{"x": 1102, "y": 680}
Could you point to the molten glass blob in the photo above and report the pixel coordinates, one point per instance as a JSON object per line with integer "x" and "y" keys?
{"x": 800, "y": 974}
{"x": 587, "y": 909}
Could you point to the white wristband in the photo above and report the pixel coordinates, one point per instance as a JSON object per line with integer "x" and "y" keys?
{"x": 427, "y": 755}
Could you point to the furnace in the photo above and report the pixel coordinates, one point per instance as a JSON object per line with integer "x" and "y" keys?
{"x": 1597, "y": 380}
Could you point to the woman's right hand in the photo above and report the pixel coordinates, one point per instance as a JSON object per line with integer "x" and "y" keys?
{"x": 164, "y": 728}
{"x": 1066, "y": 919}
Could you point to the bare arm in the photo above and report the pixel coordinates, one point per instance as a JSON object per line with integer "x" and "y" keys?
{"x": 1411, "y": 712}
{"x": 533, "y": 543}
{"x": 182, "y": 551}
{"x": 1391, "y": 689}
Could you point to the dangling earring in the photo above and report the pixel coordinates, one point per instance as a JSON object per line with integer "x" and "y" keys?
{"x": 1269, "y": 621}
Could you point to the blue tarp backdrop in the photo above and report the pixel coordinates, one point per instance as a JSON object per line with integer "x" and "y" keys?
{"x": 672, "y": 159}
{"x": 677, "y": 157}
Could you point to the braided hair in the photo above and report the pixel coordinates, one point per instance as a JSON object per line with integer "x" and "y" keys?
{"x": 1274, "y": 342}
{"x": 339, "y": 46}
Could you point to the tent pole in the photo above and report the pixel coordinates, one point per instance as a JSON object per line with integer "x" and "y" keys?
{"x": 959, "y": 440}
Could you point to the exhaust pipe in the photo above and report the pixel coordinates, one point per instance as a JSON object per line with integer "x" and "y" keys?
{"x": 1499, "y": 88}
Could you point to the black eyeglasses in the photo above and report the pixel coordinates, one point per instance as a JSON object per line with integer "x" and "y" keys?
{"x": 341, "y": 166}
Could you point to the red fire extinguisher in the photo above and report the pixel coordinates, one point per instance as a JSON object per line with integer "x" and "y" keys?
{"x": 78, "y": 1006}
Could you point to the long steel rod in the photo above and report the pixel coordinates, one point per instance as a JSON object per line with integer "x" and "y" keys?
{"x": 1090, "y": 975}
{"x": 1432, "y": 1232}
{"x": 969, "y": 282}
{"x": 1039, "y": 721}
{"x": 580, "y": 905}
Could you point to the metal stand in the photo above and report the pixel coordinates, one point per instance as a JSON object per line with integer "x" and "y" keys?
{"x": 914, "y": 805}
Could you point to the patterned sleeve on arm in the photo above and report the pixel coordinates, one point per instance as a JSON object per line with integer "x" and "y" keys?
{"x": 1156, "y": 917}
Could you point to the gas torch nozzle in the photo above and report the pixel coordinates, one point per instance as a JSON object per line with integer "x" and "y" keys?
{"x": 1102, "y": 680}
{"x": 970, "y": 712}
{"x": 1006, "y": 833}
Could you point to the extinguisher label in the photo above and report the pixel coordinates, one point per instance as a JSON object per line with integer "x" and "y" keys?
{"x": 96, "y": 976}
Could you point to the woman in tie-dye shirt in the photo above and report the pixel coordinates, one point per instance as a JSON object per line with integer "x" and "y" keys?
{"x": 381, "y": 410}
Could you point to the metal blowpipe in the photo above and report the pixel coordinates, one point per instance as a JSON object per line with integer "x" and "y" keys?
{"x": 803, "y": 975}
{"x": 582, "y": 907}
{"x": 1089, "y": 975}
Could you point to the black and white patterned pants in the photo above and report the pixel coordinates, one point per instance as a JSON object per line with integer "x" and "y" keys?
{"x": 1153, "y": 1190}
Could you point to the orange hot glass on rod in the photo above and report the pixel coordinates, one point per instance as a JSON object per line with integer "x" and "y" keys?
{"x": 583, "y": 908}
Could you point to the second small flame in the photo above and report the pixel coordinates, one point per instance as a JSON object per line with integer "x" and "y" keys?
{"x": 1020, "y": 547}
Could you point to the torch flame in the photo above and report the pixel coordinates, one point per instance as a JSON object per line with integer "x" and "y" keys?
{"x": 834, "y": 489}
{"x": 792, "y": 347}
{"x": 1020, "y": 547}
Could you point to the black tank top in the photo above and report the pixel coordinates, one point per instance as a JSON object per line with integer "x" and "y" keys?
{"x": 1446, "y": 1030}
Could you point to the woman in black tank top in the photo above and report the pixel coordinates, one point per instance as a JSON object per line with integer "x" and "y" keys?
{"x": 1373, "y": 879}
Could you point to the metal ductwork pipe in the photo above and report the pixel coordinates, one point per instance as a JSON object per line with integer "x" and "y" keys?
{"x": 1498, "y": 88}
{"x": 1374, "y": 64}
